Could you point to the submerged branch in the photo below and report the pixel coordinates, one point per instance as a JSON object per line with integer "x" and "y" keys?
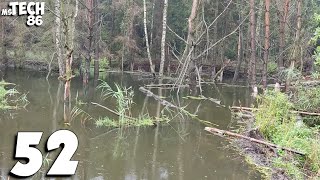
{"x": 293, "y": 111}
{"x": 110, "y": 110}
{"x": 169, "y": 104}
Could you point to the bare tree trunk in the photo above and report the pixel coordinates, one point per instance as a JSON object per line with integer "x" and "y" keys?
{"x": 97, "y": 42}
{"x": 4, "y": 42}
{"x": 146, "y": 35}
{"x": 252, "y": 67}
{"x": 259, "y": 25}
{"x": 96, "y": 63}
{"x": 239, "y": 58}
{"x": 283, "y": 21}
{"x": 68, "y": 30}
{"x": 266, "y": 43}
{"x": 296, "y": 49}
{"x": 296, "y": 45}
{"x": 189, "y": 64}
{"x": 58, "y": 38}
{"x": 90, "y": 16}
{"x": 163, "y": 40}
{"x": 215, "y": 33}
{"x": 239, "y": 54}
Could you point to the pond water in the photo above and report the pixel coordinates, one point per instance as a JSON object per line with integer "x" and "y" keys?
{"x": 178, "y": 150}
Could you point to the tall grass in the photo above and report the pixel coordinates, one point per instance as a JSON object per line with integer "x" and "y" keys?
{"x": 124, "y": 100}
{"x": 10, "y": 98}
{"x": 277, "y": 123}
{"x": 122, "y": 95}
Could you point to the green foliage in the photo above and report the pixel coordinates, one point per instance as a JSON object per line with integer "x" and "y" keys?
{"x": 178, "y": 12}
{"x": 315, "y": 38}
{"x": 307, "y": 98}
{"x": 315, "y": 75}
{"x": 123, "y": 97}
{"x": 277, "y": 123}
{"x": 103, "y": 63}
{"x": 272, "y": 112}
{"x": 272, "y": 67}
{"x": 230, "y": 54}
{"x": 290, "y": 73}
{"x": 137, "y": 122}
{"x": 9, "y": 98}
{"x": 290, "y": 167}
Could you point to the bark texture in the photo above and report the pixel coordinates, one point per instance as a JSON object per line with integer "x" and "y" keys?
{"x": 163, "y": 39}
{"x": 252, "y": 68}
{"x": 266, "y": 43}
{"x": 146, "y": 35}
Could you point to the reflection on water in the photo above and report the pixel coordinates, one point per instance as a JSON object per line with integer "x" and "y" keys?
{"x": 178, "y": 150}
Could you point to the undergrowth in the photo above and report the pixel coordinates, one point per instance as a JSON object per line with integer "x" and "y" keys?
{"x": 308, "y": 99}
{"x": 10, "y": 98}
{"x": 277, "y": 123}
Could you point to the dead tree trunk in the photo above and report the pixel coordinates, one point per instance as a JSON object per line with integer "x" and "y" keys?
{"x": 58, "y": 37}
{"x": 266, "y": 43}
{"x": 68, "y": 20}
{"x": 188, "y": 54}
{"x": 90, "y": 18}
{"x": 163, "y": 39}
{"x": 146, "y": 35}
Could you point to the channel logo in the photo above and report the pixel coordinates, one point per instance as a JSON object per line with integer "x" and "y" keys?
{"x": 33, "y": 11}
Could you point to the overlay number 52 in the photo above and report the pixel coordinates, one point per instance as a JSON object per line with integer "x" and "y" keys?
{"x": 25, "y": 149}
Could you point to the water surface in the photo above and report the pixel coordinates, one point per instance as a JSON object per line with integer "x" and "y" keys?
{"x": 179, "y": 150}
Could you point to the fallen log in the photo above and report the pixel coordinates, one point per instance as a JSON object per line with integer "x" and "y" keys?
{"x": 293, "y": 111}
{"x": 162, "y": 85}
{"x": 243, "y": 108}
{"x": 224, "y": 132}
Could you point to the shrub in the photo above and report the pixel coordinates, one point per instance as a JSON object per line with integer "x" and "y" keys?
{"x": 307, "y": 98}
{"x": 273, "y": 110}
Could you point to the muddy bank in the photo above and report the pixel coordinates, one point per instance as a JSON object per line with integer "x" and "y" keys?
{"x": 259, "y": 155}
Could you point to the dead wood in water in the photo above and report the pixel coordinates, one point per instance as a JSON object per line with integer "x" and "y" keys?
{"x": 158, "y": 98}
{"x": 293, "y": 111}
{"x": 170, "y": 105}
{"x": 224, "y": 132}
{"x": 110, "y": 110}
{"x": 171, "y": 86}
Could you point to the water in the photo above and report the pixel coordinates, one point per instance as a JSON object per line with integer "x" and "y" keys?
{"x": 179, "y": 150}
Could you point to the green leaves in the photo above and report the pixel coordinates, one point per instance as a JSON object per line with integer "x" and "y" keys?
{"x": 315, "y": 39}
